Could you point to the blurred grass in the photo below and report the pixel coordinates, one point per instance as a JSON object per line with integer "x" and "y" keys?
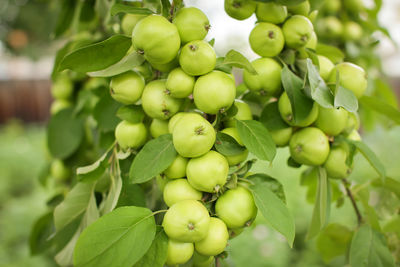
{"x": 22, "y": 199}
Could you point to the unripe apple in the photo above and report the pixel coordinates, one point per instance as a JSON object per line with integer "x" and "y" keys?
{"x": 354, "y": 6}
{"x": 178, "y": 252}
{"x": 335, "y": 164}
{"x": 351, "y": 77}
{"x": 202, "y": 260}
{"x": 297, "y": 31}
{"x": 239, "y": 9}
{"x": 214, "y": 92}
{"x": 166, "y": 67}
{"x": 242, "y": 156}
{"x": 266, "y": 39}
{"x": 353, "y": 123}
{"x": 312, "y": 43}
{"x": 300, "y": 9}
{"x": 281, "y": 137}
{"x": 62, "y": 87}
{"x": 330, "y": 27}
{"x": 129, "y": 22}
{"x": 285, "y": 109}
{"x": 193, "y": 136}
{"x": 192, "y": 24}
{"x": 332, "y": 121}
{"x": 178, "y": 190}
{"x": 174, "y": 119}
{"x": 208, "y": 173}
{"x": 127, "y": 87}
{"x": 59, "y": 104}
{"x": 352, "y": 31}
{"x": 268, "y": 78}
{"x": 158, "y": 127}
{"x": 216, "y": 239}
{"x": 271, "y": 12}
{"x": 243, "y": 113}
{"x": 197, "y": 58}
{"x": 130, "y": 135}
{"x": 59, "y": 171}
{"x": 309, "y": 146}
{"x": 179, "y": 83}
{"x": 156, "y": 101}
{"x": 325, "y": 67}
{"x": 157, "y": 38}
{"x": 332, "y": 6}
{"x": 177, "y": 169}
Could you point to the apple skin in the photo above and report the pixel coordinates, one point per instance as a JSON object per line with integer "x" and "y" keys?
{"x": 178, "y": 190}
{"x": 335, "y": 164}
{"x": 243, "y": 113}
{"x": 268, "y": 78}
{"x": 158, "y": 127}
{"x": 177, "y": 169}
{"x": 186, "y": 221}
{"x": 179, "y": 83}
{"x": 332, "y": 121}
{"x": 129, "y": 22}
{"x": 281, "y": 137}
{"x": 240, "y": 9}
{"x": 197, "y": 58}
{"x": 271, "y": 12}
{"x": 157, "y": 38}
{"x": 309, "y": 146}
{"x": 325, "y": 67}
{"x": 215, "y": 241}
{"x": 130, "y": 135}
{"x": 235, "y": 159}
{"x": 300, "y": 9}
{"x": 193, "y": 136}
{"x": 351, "y": 77}
{"x": 297, "y": 31}
{"x": 266, "y": 39}
{"x": 178, "y": 252}
{"x": 192, "y": 24}
{"x": 127, "y": 87}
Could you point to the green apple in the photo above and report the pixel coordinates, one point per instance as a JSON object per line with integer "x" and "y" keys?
{"x": 325, "y": 67}
{"x": 312, "y": 43}
{"x": 192, "y": 24}
{"x": 178, "y": 190}
{"x": 197, "y": 58}
{"x": 187, "y": 221}
{"x": 268, "y": 78}
{"x": 236, "y": 207}
{"x": 330, "y": 27}
{"x": 193, "y": 136}
{"x": 156, "y": 101}
{"x": 129, "y": 22}
{"x": 166, "y": 67}
{"x": 179, "y": 83}
{"x": 266, "y": 39}
{"x": 177, "y": 169}
{"x": 157, "y": 38}
{"x": 242, "y": 156}
{"x": 158, "y": 127}
{"x": 130, "y": 135}
{"x": 297, "y": 31}
{"x": 300, "y": 9}
{"x": 59, "y": 104}
{"x": 281, "y": 137}
{"x": 174, "y": 119}
{"x": 208, "y": 173}
{"x": 353, "y": 123}
{"x": 351, "y": 77}
{"x": 352, "y": 31}
{"x": 285, "y": 109}
{"x": 178, "y": 252}
{"x": 215, "y": 241}
{"x": 216, "y": 86}
{"x": 240, "y": 9}
{"x": 332, "y": 6}
{"x": 335, "y": 164}
{"x": 202, "y": 260}
{"x": 354, "y": 6}
{"x": 59, "y": 171}
{"x": 62, "y": 87}
{"x": 332, "y": 121}
{"x": 127, "y": 87}
{"x": 271, "y": 12}
{"x": 243, "y": 113}
{"x": 309, "y": 146}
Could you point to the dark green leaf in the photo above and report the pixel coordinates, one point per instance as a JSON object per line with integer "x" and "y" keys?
{"x": 153, "y": 159}
{"x": 346, "y": 99}
{"x": 64, "y": 133}
{"x": 235, "y": 59}
{"x": 97, "y": 56}
{"x": 369, "y": 249}
{"x": 333, "y": 241}
{"x": 331, "y": 52}
{"x": 227, "y": 145}
{"x": 131, "y": 113}
{"x": 65, "y": 17}
{"x": 165, "y": 8}
{"x": 121, "y": 8}
{"x": 40, "y": 233}
{"x": 320, "y": 92}
{"x": 375, "y": 104}
{"x": 119, "y": 238}
{"x": 292, "y": 163}
{"x": 157, "y": 253}
{"x": 132, "y": 195}
{"x": 301, "y": 104}
{"x": 94, "y": 171}
{"x": 257, "y": 139}
{"x": 274, "y": 211}
{"x": 271, "y": 117}
{"x": 105, "y": 112}
{"x": 128, "y": 62}
{"x": 273, "y": 184}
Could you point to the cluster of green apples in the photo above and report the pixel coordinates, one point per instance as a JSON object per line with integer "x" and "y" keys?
{"x": 179, "y": 99}
{"x": 281, "y": 28}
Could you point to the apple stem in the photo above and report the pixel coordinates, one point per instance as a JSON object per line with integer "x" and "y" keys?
{"x": 353, "y": 202}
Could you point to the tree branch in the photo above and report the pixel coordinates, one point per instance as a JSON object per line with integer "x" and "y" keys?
{"x": 353, "y": 201}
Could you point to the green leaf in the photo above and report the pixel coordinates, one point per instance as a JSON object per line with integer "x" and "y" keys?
{"x": 126, "y": 63}
{"x": 227, "y": 145}
{"x": 274, "y": 211}
{"x": 235, "y": 59}
{"x": 333, "y": 241}
{"x": 289, "y": 2}
{"x": 320, "y": 92}
{"x": 40, "y": 233}
{"x": 165, "y": 8}
{"x": 74, "y": 204}
{"x": 274, "y": 185}
{"x": 64, "y": 133}
{"x": 119, "y": 238}
{"x": 157, "y": 253}
{"x": 389, "y": 184}
{"x": 346, "y": 99}
{"x": 322, "y": 205}
{"x": 331, "y": 52}
{"x": 97, "y": 56}
{"x": 131, "y": 113}
{"x": 132, "y": 195}
{"x": 301, "y": 104}
{"x": 371, "y": 157}
{"x": 271, "y": 117}
{"x": 105, "y": 112}
{"x": 257, "y": 139}
{"x": 377, "y": 105}
{"x": 220, "y": 65}
{"x": 121, "y": 8}
{"x": 369, "y": 249}
{"x": 110, "y": 202}
{"x": 65, "y": 17}
{"x": 157, "y": 155}
{"x": 94, "y": 171}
